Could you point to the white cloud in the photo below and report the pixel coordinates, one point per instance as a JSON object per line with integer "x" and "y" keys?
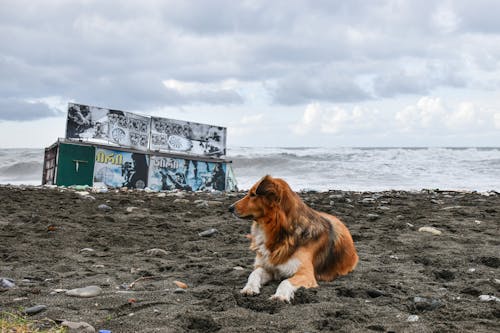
{"x": 445, "y": 19}
{"x": 431, "y": 114}
{"x": 334, "y": 119}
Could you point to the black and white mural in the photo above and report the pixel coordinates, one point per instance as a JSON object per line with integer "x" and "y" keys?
{"x": 187, "y": 137}
{"x": 106, "y": 125}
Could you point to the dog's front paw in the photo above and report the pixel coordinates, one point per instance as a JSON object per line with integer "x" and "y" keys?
{"x": 250, "y": 290}
{"x": 285, "y": 292}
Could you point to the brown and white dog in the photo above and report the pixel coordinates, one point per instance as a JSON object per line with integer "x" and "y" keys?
{"x": 292, "y": 240}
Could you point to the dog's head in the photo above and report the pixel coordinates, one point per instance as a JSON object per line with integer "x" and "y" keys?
{"x": 264, "y": 198}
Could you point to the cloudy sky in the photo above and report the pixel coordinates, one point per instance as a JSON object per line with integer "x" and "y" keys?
{"x": 276, "y": 73}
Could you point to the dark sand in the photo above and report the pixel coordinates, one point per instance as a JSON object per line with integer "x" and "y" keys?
{"x": 42, "y": 233}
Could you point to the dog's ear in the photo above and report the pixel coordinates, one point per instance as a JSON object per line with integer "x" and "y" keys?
{"x": 268, "y": 188}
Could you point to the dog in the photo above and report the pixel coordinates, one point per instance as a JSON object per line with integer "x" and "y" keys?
{"x": 292, "y": 241}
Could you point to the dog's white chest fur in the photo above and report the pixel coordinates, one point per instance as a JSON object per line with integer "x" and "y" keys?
{"x": 284, "y": 270}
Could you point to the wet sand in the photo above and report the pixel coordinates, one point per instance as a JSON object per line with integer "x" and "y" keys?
{"x": 407, "y": 280}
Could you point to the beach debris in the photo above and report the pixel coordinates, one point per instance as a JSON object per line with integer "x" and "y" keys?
{"x": 181, "y": 201}
{"x": 180, "y": 284}
{"x": 142, "y": 278}
{"x": 208, "y": 233}
{"x": 156, "y": 252}
{"x": 104, "y": 331}
{"x": 161, "y": 195}
{"x": 238, "y": 268}
{"x": 104, "y": 207}
{"x": 471, "y": 270}
{"x": 422, "y": 304}
{"x": 83, "y": 193}
{"x": 78, "y": 327}
{"x": 488, "y": 298}
{"x": 6, "y": 283}
{"x": 412, "y": 318}
{"x": 431, "y": 230}
{"x": 477, "y": 222}
{"x": 51, "y": 228}
{"x": 176, "y": 194}
{"x": 86, "y": 250}
{"x": 90, "y": 291}
{"x": 35, "y": 309}
{"x": 372, "y": 217}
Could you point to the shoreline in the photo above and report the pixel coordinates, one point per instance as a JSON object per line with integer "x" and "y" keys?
{"x": 133, "y": 245}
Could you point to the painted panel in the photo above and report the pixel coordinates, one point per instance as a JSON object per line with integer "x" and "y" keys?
{"x": 167, "y": 173}
{"x": 105, "y": 125}
{"x": 116, "y": 168}
{"x": 187, "y": 137}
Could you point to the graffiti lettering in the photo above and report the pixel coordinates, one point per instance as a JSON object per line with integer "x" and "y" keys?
{"x": 111, "y": 158}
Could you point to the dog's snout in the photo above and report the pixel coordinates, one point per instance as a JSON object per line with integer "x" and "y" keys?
{"x": 231, "y": 208}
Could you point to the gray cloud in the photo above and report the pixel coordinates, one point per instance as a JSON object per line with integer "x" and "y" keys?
{"x": 12, "y": 109}
{"x": 117, "y": 54}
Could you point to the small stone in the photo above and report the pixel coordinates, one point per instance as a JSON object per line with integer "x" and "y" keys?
{"x": 162, "y": 195}
{"x": 87, "y": 249}
{"x": 426, "y": 304}
{"x": 471, "y": 270}
{"x": 208, "y": 233}
{"x": 409, "y": 225}
{"x": 104, "y": 207}
{"x": 35, "y": 309}
{"x": 214, "y": 203}
{"x": 368, "y": 200}
{"x": 477, "y": 222}
{"x": 488, "y": 298}
{"x": 98, "y": 266}
{"x": 431, "y": 230}
{"x": 181, "y": 284}
{"x": 78, "y": 327}
{"x": 179, "y": 291}
{"x": 157, "y": 252}
{"x": 84, "y": 193}
{"x": 373, "y": 217}
{"x": 238, "y": 268}
{"x": 7, "y": 283}
{"x": 451, "y": 207}
{"x": 131, "y": 209}
{"x": 374, "y": 293}
{"x": 89, "y": 291}
{"x": 182, "y": 201}
{"x": 412, "y": 318}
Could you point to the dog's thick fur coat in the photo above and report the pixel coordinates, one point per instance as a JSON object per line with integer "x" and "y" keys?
{"x": 292, "y": 240}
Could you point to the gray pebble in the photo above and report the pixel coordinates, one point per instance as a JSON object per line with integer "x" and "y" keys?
{"x": 35, "y": 309}
{"x": 373, "y": 217}
{"x": 78, "y": 327}
{"x": 412, "y": 318}
{"x": 89, "y": 291}
{"x": 426, "y": 304}
{"x": 104, "y": 207}
{"x": 179, "y": 291}
{"x": 208, "y": 233}
{"x": 181, "y": 201}
{"x": 6, "y": 283}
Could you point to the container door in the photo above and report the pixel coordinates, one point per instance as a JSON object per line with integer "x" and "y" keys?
{"x": 76, "y": 165}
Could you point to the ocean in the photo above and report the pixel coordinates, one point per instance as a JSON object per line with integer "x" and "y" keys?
{"x": 321, "y": 169}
